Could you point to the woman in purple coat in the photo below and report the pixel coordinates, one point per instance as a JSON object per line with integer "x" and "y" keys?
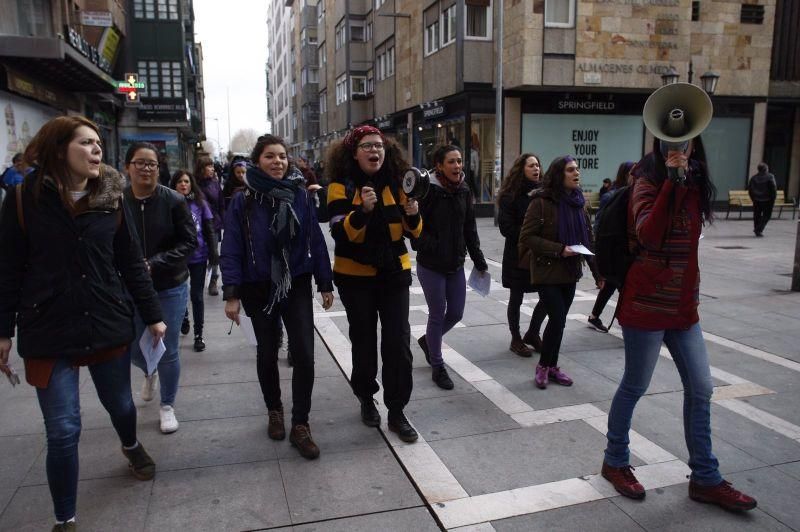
{"x": 212, "y": 190}
{"x": 205, "y": 253}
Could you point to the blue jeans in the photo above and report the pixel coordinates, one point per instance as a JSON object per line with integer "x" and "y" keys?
{"x": 60, "y": 405}
{"x": 445, "y": 294}
{"x": 688, "y": 350}
{"x": 173, "y": 307}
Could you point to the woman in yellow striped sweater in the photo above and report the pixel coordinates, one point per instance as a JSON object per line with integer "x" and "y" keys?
{"x": 369, "y": 216}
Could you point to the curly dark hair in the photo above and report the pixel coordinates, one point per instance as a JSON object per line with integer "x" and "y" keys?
{"x": 554, "y": 177}
{"x": 516, "y": 176}
{"x": 340, "y": 164}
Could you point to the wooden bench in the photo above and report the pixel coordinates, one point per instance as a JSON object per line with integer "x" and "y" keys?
{"x": 592, "y": 200}
{"x": 741, "y": 199}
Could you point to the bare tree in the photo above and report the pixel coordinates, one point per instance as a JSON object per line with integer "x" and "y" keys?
{"x": 244, "y": 140}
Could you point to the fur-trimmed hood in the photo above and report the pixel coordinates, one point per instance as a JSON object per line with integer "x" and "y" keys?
{"x": 109, "y": 193}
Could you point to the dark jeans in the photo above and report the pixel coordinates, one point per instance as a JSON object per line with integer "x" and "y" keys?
{"x": 60, "y": 405}
{"x": 557, "y": 298}
{"x": 298, "y": 316}
{"x": 445, "y": 294}
{"x": 364, "y": 304}
{"x": 539, "y": 313}
{"x": 197, "y": 281}
{"x": 602, "y": 298}
{"x": 762, "y": 212}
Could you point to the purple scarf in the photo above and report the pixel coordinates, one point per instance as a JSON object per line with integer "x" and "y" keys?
{"x": 572, "y": 227}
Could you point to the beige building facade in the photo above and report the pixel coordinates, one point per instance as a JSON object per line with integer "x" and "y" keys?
{"x": 576, "y": 76}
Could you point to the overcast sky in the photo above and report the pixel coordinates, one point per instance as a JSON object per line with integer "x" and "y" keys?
{"x": 234, "y": 37}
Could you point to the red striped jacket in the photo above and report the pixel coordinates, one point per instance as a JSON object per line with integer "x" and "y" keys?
{"x": 662, "y": 287}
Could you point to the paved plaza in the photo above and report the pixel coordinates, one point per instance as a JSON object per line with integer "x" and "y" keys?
{"x": 495, "y": 453}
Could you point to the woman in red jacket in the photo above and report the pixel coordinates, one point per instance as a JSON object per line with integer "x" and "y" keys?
{"x": 671, "y": 201}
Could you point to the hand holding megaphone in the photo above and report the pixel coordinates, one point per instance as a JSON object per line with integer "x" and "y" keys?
{"x": 368, "y": 197}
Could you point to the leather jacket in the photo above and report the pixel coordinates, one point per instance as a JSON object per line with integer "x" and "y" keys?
{"x": 166, "y": 232}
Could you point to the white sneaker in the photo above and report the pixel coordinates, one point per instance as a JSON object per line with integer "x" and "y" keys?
{"x": 169, "y": 423}
{"x": 149, "y": 387}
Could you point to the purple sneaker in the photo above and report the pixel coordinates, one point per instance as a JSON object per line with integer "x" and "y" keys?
{"x": 559, "y": 376}
{"x": 541, "y": 377}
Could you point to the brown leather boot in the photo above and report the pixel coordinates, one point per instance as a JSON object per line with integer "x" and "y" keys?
{"x": 533, "y": 340}
{"x": 518, "y": 347}
{"x": 300, "y": 437}
{"x": 275, "y": 426}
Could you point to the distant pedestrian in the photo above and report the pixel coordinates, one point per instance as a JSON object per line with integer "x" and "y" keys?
{"x": 206, "y": 252}
{"x": 514, "y": 198}
{"x": 623, "y": 179}
{"x": 606, "y": 188}
{"x": 659, "y": 306}
{"x": 448, "y": 234}
{"x": 763, "y": 191}
{"x": 556, "y": 220}
{"x": 235, "y": 182}
{"x": 206, "y": 176}
{"x": 14, "y": 174}
{"x": 168, "y": 238}
{"x": 70, "y": 274}
{"x": 271, "y": 248}
{"x": 370, "y": 215}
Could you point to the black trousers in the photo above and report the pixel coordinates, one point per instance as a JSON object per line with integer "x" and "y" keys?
{"x": 298, "y": 316}
{"x": 557, "y": 299}
{"x": 197, "y": 280}
{"x": 603, "y": 296}
{"x": 762, "y": 212}
{"x": 364, "y": 304}
{"x": 512, "y": 313}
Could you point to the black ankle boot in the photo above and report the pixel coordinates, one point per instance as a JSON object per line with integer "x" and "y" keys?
{"x": 441, "y": 378}
{"x": 199, "y": 344}
{"x": 369, "y": 412}
{"x": 400, "y": 425}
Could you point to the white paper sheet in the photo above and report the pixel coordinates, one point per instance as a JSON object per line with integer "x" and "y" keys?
{"x": 580, "y": 248}
{"x": 480, "y": 282}
{"x": 246, "y": 325}
{"x": 152, "y": 355}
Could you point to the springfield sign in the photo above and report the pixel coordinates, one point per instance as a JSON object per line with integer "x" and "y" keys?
{"x": 598, "y": 143}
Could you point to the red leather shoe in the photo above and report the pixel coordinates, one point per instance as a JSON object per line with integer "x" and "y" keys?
{"x": 623, "y": 480}
{"x": 723, "y": 495}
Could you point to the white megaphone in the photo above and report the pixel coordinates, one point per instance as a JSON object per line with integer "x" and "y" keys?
{"x": 675, "y": 114}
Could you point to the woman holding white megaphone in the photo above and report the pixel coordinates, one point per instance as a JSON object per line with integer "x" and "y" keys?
{"x": 670, "y": 203}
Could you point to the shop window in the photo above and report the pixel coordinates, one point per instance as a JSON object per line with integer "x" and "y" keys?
{"x": 432, "y": 38}
{"x": 559, "y": 13}
{"x": 480, "y": 159}
{"x": 448, "y": 25}
{"x": 478, "y": 19}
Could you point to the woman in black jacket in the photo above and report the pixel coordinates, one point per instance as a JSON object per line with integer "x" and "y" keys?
{"x": 68, "y": 268}
{"x": 168, "y": 238}
{"x": 514, "y": 198}
{"x": 448, "y": 232}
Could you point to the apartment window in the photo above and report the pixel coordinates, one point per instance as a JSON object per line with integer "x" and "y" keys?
{"x": 379, "y": 3}
{"x": 323, "y": 102}
{"x": 341, "y": 89}
{"x": 448, "y": 25}
{"x": 308, "y": 37}
{"x": 309, "y": 75}
{"x": 323, "y": 56}
{"x": 370, "y": 83}
{"x": 357, "y": 31}
{"x": 155, "y": 9}
{"x": 390, "y": 62}
{"x": 368, "y": 32}
{"x": 358, "y": 85}
{"x": 695, "y": 10}
{"x": 293, "y": 86}
{"x": 381, "y": 65}
{"x": 340, "y": 35}
{"x": 164, "y": 78}
{"x": 559, "y": 13}
{"x": 752, "y": 14}
{"x": 478, "y": 19}
{"x": 432, "y": 38}
{"x": 321, "y": 10}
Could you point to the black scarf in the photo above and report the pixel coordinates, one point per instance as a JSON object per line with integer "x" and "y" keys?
{"x": 284, "y": 225}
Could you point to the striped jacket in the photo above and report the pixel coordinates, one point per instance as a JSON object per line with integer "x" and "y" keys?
{"x": 662, "y": 287}
{"x": 349, "y": 230}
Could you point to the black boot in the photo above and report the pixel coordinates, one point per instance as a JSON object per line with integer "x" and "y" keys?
{"x": 199, "y": 344}
{"x": 369, "y": 413}
{"x": 441, "y": 378}
{"x": 400, "y": 425}
{"x": 185, "y": 325}
{"x": 423, "y": 344}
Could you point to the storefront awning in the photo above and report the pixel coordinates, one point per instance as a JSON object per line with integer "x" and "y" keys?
{"x": 55, "y": 62}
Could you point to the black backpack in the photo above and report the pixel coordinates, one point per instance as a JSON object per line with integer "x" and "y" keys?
{"x": 613, "y": 257}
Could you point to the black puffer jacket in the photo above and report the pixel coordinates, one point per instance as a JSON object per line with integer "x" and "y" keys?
{"x": 448, "y": 230}
{"x": 63, "y": 278}
{"x": 166, "y": 232}
{"x": 511, "y": 214}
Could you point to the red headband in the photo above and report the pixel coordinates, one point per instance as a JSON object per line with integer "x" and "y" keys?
{"x": 356, "y": 134}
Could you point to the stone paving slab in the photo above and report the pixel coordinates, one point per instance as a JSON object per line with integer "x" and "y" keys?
{"x": 416, "y": 519}
{"x": 462, "y": 415}
{"x": 597, "y": 516}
